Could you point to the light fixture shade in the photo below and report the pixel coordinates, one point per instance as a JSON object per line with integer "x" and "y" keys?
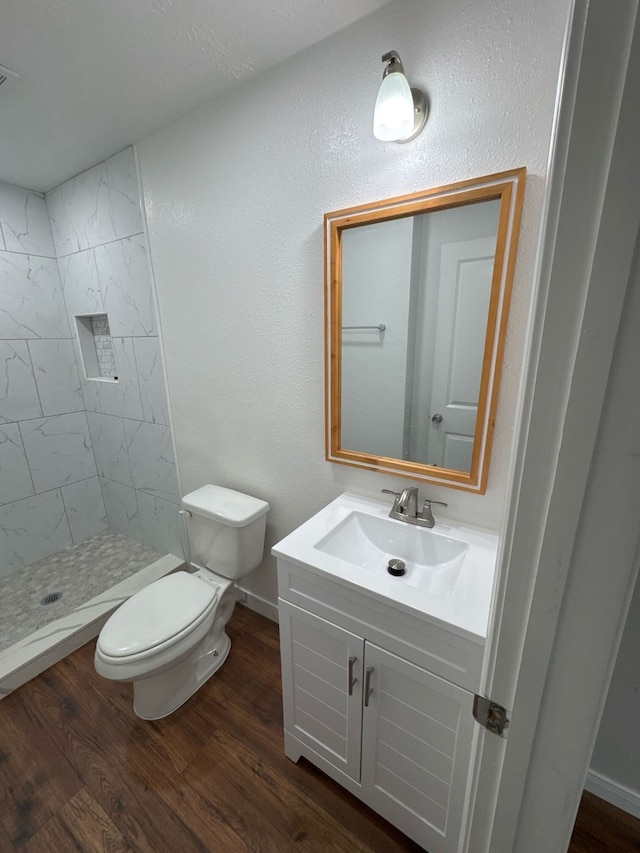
{"x": 393, "y": 116}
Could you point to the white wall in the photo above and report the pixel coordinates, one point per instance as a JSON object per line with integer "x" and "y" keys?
{"x": 615, "y": 764}
{"x": 376, "y": 285}
{"x": 614, "y": 773}
{"x": 235, "y": 193}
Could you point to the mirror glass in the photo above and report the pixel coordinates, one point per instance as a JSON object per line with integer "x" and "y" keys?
{"x": 417, "y": 293}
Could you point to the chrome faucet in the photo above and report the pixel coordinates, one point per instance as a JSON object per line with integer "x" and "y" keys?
{"x": 405, "y": 507}
{"x": 408, "y": 503}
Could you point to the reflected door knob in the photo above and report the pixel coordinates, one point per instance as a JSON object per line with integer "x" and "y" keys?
{"x": 436, "y": 419}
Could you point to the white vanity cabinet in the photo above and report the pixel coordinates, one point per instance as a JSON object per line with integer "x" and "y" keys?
{"x": 381, "y": 700}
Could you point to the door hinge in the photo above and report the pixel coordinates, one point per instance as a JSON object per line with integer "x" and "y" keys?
{"x": 490, "y": 715}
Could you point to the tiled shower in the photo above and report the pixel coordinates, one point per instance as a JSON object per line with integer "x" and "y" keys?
{"x": 81, "y": 451}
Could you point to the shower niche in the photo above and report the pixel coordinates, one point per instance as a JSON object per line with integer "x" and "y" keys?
{"x": 96, "y": 347}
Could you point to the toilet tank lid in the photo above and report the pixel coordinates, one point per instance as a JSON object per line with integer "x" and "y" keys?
{"x": 225, "y": 505}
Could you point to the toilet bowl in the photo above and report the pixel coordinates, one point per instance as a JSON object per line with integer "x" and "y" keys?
{"x": 170, "y": 637}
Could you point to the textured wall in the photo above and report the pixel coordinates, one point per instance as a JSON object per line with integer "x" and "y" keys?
{"x": 235, "y": 194}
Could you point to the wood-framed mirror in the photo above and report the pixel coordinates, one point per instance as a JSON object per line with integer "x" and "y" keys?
{"x": 417, "y": 292}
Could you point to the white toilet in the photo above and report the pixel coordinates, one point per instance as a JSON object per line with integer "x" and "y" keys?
{"x": 170, "y": 637}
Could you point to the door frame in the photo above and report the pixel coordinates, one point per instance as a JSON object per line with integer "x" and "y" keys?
{"x": 522, "y": 799}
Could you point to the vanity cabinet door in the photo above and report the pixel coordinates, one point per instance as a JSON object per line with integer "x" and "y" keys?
{"x": 416, "y": 746}
{"x": 322, "y": 667}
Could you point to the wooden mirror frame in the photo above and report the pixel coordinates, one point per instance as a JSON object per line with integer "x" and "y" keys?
{"x": 508, "y": 188}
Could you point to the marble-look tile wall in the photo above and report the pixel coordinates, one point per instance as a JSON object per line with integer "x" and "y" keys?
{"x": 50, "y": 495}
{"x": 78, "y": 455}
{"x": 98, "y": 237}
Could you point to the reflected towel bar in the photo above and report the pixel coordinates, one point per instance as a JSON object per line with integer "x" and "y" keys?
{"x": 380, "y": 327}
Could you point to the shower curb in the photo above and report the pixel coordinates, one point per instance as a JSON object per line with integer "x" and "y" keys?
{"x": 33, "y": 654}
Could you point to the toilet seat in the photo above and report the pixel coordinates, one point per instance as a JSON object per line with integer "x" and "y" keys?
{"x": 157, "y": 617}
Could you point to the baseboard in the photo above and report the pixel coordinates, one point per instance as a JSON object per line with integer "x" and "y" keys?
{"x": 257, "y": 603}
{"x": 614, "y": 793}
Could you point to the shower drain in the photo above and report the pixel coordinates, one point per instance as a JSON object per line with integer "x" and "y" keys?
{"x": 51, "y": 597}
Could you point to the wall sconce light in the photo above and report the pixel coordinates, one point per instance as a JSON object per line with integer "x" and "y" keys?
{"x": 400, "y": 112}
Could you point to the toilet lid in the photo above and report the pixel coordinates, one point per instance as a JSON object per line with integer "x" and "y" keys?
{"x": 157, "y": 613}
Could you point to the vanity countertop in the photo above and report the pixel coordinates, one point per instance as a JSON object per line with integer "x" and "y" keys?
{"x": 456, "y": 594}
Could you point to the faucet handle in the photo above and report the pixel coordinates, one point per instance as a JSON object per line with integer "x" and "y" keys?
{"x": 396, "y": 501}
{"x": 426, "y": 514}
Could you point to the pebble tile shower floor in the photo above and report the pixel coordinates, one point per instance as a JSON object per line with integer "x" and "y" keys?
{"x": 79, "y": 574}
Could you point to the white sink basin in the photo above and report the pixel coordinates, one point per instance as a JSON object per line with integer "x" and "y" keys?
{"x": 370, "y": 541}
{"x": 449, "y": 569}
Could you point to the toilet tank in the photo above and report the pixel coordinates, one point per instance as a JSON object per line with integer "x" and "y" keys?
{"x": 226, "y": 530}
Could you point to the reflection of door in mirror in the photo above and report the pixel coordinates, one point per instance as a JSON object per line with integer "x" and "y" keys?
{"x": 453, "y": 269}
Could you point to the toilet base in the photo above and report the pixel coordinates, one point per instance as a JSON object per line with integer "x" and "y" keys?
{"x": 159, "y": 695}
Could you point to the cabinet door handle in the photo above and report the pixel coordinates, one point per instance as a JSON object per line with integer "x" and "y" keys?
{"x": 351, "y": 679}
{"x": 368, "y": 690}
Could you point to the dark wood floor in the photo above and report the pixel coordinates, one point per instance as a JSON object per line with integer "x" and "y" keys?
{"x": 79, "y": 771}
{"x": 602, "y": 828}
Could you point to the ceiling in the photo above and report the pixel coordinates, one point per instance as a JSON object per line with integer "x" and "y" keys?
{"x": 96, "y": 76}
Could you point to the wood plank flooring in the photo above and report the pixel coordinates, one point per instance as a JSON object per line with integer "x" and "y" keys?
{"x": 79, "y": 772}
{"x": 602, "y": 828}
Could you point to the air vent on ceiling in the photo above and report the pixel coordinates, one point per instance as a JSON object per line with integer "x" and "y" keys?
{"x": 5, "y": 73}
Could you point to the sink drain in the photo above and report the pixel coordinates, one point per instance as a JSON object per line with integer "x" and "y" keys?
{"x": 396, "y": 568}
{"x": 51, "y": 597}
